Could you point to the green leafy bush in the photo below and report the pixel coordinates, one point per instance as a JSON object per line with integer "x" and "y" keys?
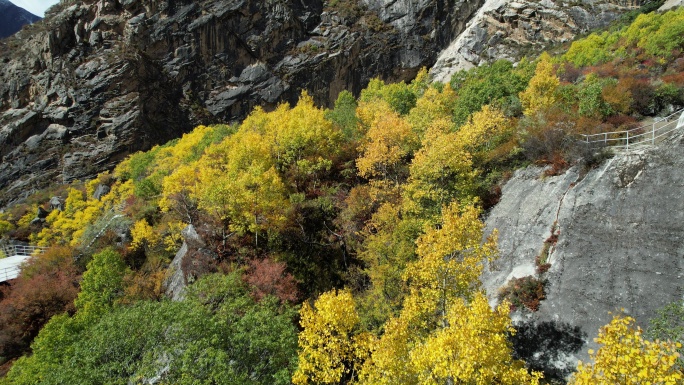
{"x": 217, "y": 335}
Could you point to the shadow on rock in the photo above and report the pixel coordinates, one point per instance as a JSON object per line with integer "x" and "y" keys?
{"x": 549, "y": 347}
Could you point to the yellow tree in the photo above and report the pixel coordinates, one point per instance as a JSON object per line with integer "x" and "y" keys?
{"x": 444, "y": 169}
{"x": 388, "y": 145}
{"x": 303, "y": 141}
{"x": 483, "y": 130}
{"x": 180, "y": 192}
{"x": 239, "y": 185}
{"x": 540, "y": 93}
{"x": 625, "y": 357}
{"x": 144, "y": 236}
{"x": 444, "y": 293}
{"x": 388, "y": 247}
{"x": 441, "y": 171}
{"x": 472, "y": 348}
{"x": 432, "y": 106}
{"x": 331, "y": 345}
{"x": 68, "y": 226}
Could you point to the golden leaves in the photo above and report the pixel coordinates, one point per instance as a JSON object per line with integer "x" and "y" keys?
{"x": 540, "y": 94}
{"x": 625, "y": 357}
{"x": 331, "y": 346}
{"x": 388, "y": 143}
{"x": 446, "y": 330}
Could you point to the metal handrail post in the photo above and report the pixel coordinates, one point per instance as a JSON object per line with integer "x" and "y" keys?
{"x": 627, "y": 140}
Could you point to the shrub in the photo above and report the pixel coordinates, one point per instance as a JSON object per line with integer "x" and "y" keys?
{"x": 547, "y": 139}
{"x": 668, "y": 325}
{"x": 267, "y": 277}
{"x": 46, "y": 287}
{"x": 590, "y": 95}
{"x": 526, "y": 292}
{"x": 592, "y": 50}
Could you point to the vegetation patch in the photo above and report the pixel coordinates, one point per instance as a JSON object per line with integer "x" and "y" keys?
{"x": 369, "y": 212}
{"x": 526, "y": 292}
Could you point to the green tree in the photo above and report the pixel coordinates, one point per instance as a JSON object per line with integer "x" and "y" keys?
{"x": 102, "y": 284}
{"x": 497, "y": 84}
{"x": 344, "y": 115}
{"x": 399, "y": 96}
{"x": 590, "y": 95}
{"x": 217, "y": 335}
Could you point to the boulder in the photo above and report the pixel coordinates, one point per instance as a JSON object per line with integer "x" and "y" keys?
{"x": 100, "y": 191}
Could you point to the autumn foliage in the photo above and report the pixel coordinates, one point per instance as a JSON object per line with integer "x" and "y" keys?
{"x": 46, "y": 287}
{"x": 626, "y": 357}
{"x": 369, "y": 212}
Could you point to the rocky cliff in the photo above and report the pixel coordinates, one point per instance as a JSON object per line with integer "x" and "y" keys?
{"x": 98, "y": 80}
{"x": 12, "y": 18}
{"x": 620, "y": 242}
{"x": 506, "y": 29}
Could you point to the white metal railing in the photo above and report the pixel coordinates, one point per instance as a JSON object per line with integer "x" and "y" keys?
{"x": 26, "y": 250}
{"x": 647, "y": 134}
{"x": 15, "y": 256}
{"x": 9, "y": 273}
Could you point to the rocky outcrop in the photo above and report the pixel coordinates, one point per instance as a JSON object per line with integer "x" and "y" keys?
{"x": 619, "y": 246}
{"x": 193, "y": 260}
{"x": 669, "y": 4}
{"x": 505, "y": 29}
{"x": 12, "y": 18}
{"x": 98, "y": 80}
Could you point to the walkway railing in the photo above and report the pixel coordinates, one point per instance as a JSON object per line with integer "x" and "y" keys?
{"x": 24, "y": 250}
{"x": 643, "y": 135}
{"x": 15, "y": 256}
{"x": 9, "y": 273}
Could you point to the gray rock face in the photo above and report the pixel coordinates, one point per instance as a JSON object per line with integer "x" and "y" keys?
{"x": 175, "y": 284}
{"x": 506, "y": 29}
{"x": 620, "y": 244}
{"x": 98, "y": 80}
{"x": 669, "y": 4}
{"x": 187, "y": 264}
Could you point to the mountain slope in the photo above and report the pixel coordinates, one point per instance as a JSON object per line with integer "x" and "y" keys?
{"x": 506, "y": 29}
{"x": 97, "y": 81}
{"x": 12, "y": 18}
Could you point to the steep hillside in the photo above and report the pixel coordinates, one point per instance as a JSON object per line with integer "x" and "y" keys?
{"x": 368, "y": 216}
{"x": 97, "y": 81}
{"x": 12, "y": 18}
{"x": 506, "y": 29}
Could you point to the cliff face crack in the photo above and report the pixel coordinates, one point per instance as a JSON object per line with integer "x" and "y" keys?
{"x": 555, "y": 230}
